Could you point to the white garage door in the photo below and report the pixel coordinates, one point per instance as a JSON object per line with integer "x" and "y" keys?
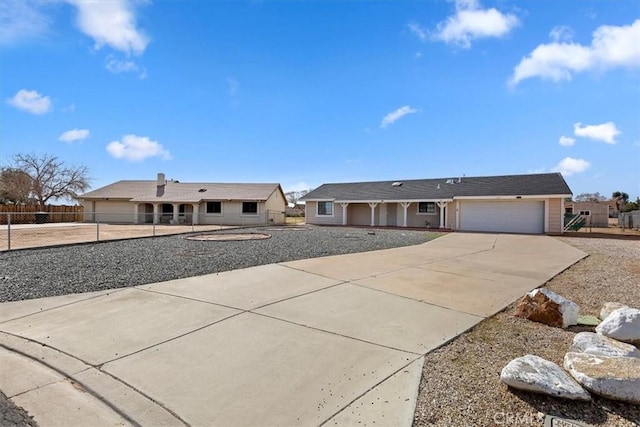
{"x": 508, "y": 217}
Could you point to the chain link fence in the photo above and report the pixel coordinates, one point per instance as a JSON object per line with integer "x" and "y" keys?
{"x": 21, "y": 230}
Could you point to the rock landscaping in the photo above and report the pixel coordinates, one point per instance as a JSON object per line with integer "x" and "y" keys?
{"x": 616, "y": 378}
{"x": 545, "y": 306}
{"x": 622, "y": 324}
{"x": 604, "y": 362}
{"x": 533, "y": 373}
{"x": 599, "y": 345}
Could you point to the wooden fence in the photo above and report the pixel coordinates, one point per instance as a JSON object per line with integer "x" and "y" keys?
{"x": 26, "y": 214}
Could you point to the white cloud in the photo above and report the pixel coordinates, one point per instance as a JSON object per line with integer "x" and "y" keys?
{"x": 418, "y": 31}
{"x": 111, "y": 23}
{"x": 472, "y": 22}
{"x": 137, "y": 148}
{"x": 566, "y": 141}
{"x": 396, "y": 115}
{"x": 569, "y": 166}
{"x": 20, "y": 20}
{"x": 30, "y": 101}
{"x": 611, "y": 47}
{"x": 117, "y": 66}
{"x": 74, "y": 135}
{"x": 561, "y": 33}
{"x": 605, "y": 132}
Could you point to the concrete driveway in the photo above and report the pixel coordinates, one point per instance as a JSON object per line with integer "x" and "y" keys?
{"x": 336, "y": 340}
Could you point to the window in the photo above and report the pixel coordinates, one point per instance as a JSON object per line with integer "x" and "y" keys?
{"x": 250, "y": 208}
{"x": 585, "y": 213}
{"x": 427, "y": 207}
{"x": 325, "y": 208}
{"x": 214, "y": 207}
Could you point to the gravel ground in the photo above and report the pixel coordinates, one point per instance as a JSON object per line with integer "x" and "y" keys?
{"x": 37, "y": 273}
{"x": 12, "y": 415}
{"x": 461, "y": 381}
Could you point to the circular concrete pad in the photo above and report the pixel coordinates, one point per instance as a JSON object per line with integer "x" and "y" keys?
{"x": 229, "y": 237}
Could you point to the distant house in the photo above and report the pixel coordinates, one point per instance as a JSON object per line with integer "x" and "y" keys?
{"x": 595, "y": 213}
{"x": 174, "y": 202}
{"x": 531, "y": 203}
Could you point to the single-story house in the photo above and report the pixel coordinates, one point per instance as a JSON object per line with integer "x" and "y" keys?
{"x": 595, "y": 213}
{"x": 532, "y": 203}
{"x": 174, "y": 202}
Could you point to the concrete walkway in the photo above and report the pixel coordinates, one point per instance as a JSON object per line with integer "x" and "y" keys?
{"x": 337, "y": 340}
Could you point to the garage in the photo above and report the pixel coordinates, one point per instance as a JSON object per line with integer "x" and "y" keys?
{"x": 521, "y": 216}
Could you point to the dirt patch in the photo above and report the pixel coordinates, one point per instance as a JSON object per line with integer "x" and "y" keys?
{"x": 229, "y": 237}
{"x": 34, "y": 236}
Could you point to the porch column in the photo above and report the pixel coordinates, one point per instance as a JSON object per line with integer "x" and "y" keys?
{"x": 442, "y": 205}
{"x": 176, "y": 208}
{"x": 155, "y": 213}
{"x": 373, "y": 205}
{"x": 196, "y": 215}
{"x": 344, "y": 213}
{"x": 405, "y": 207}
{"x": 135, "y": 213}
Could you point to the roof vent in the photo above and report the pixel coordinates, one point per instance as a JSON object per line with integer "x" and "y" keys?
{"x": 202, "y": 190}
{"x": 397, "y": 184}
{"x": 438, "y": 186}
{"x": 450, "y": 181}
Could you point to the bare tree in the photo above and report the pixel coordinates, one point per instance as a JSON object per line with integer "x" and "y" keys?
{"x": 621, "y": 199}
{"x": 51, "y": 178}
{"x": 294, "y": 196}
{"x": 15, "y": 186}
{"x": 590, "y": 197}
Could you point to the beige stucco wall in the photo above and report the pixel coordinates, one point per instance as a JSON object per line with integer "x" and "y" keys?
{"x": 311, "y": 216}
{"x": 276, "y": 202}
{"x": 415, "y": 219}
{"x": 112, "y": 211}
{"x": 555, "y": 216}
{"x": 231, "y": 214}
{"x": 360, "y": 214}
{"x": 451, "y": 215}
{"x": 599, "y": 212}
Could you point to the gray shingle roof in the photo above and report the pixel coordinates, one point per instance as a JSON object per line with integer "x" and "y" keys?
{"x": 147, "y": 191}
{"x": 548, "y": 184}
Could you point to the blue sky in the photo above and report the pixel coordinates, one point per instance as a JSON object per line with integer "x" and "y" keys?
{"x": 308, "y": 92}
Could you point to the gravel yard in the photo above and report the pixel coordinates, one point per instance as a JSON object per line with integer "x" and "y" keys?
{"x": 36, "y": 273}
{"x": 461, "y": 381}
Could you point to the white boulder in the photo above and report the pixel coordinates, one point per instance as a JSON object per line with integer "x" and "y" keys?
{"x": 599, "y": 345}
{"x": 623, "y": 325}
{"x": 533, "y": 373}
{"x": 616, "y": 378}
{"x": 608, "y": 307}
{"x": 568, "y": 309}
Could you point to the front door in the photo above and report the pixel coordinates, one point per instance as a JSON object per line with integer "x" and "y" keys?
{"x": 392, "y": 214}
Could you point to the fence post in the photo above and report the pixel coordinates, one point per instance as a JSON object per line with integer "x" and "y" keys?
{"x": 97, "y": 230}
{"x": 154, "y": 229}
{"x": 8, "y": 231}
